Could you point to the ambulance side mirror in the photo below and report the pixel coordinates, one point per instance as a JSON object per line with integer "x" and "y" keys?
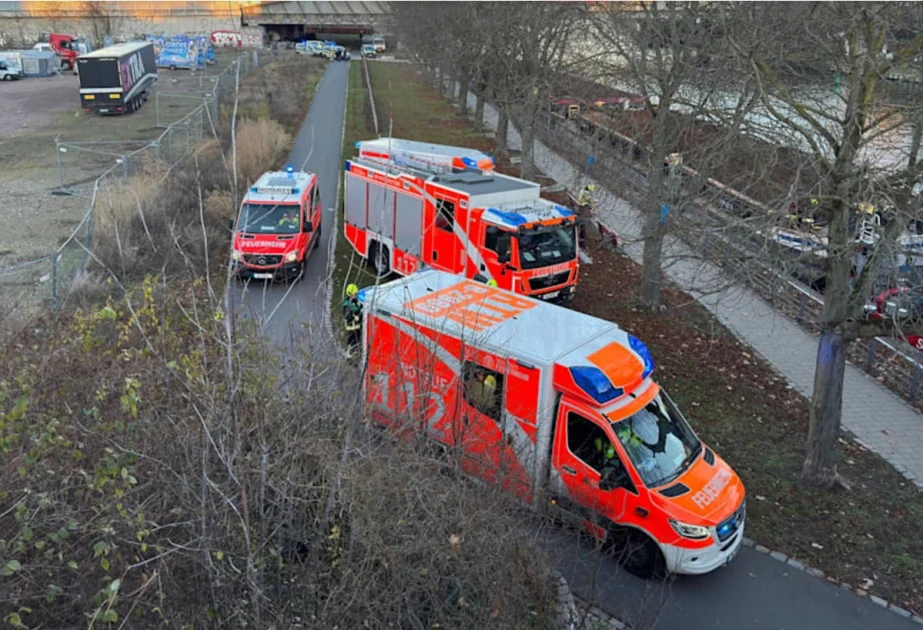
{"x": 231, "y": 224}
{"x": 308, "y": 226}
{"x": 615, "y": 477}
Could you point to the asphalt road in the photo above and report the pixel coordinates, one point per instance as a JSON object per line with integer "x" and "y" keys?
{"x": 284, "y": 309}
{"x": 754, "y": 591}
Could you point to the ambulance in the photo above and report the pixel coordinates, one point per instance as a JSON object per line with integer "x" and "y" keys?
{"x": 572, "y": 421}
{"x": 278, "y": 226}
{"x": 410, "y": 204}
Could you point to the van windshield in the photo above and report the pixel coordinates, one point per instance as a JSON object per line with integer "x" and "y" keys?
{"x": 660, "y": 443}
{"x": 543, "y": 246}
{"x": 265, "y": 218}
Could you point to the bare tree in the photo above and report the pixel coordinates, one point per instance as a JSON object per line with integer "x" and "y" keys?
{"x": 842, "y": 134}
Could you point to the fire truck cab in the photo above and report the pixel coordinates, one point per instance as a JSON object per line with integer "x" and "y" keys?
{"x": 555, "y": 406}
{"x": 411, "y": 204}
{"x": 278, "y": 226}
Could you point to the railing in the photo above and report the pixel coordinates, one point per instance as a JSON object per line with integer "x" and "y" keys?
{"x": 47, "y": 279}
{"x": 890, "y": 361}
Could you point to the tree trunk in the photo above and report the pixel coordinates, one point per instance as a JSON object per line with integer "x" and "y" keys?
{"x": 479, "y": 110}
{"x": 652, "y": 258}
{"x": 826, "y": 410}
{"x": 503, "y": 130}
{"x": 527, "y": 134}
{"x": 654, "y": 224}
{"x": 463, "y": 104}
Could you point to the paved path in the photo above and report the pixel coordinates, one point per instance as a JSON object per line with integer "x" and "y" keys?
{"x": 283, "y": 309}
{"x": 877, "y": 417}
{"x": 754, "y": 591}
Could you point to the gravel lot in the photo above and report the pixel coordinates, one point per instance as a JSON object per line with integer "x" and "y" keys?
{"x": 36, "y": 111}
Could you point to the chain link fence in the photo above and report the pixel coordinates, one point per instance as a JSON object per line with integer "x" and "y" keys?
{"x": 90, "y": 169}
{"x": 617, "y": 161}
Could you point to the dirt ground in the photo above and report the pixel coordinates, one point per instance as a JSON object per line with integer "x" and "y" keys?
{"x": 36, "y": 111}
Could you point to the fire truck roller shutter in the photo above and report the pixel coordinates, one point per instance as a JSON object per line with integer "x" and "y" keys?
{"x": 354, "y": 203}
{"x": 381, "y": 210}
{"x": 409, "y": 232}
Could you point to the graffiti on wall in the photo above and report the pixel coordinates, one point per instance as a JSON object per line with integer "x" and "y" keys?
{"x": 236, "y": 39}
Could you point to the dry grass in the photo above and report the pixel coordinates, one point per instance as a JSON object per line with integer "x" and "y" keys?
{"x": 261, "y": 144}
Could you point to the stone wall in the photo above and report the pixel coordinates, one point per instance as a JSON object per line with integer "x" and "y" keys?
{"x": 24, "y": 32}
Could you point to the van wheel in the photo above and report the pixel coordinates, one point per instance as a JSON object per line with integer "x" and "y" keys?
{"x": 380, "y": 260}
{"x": 637, "y": 553}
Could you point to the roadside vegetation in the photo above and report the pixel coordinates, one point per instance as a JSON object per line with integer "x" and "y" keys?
{"x": 160, "y": 466}
{"x": 735, "y": 400}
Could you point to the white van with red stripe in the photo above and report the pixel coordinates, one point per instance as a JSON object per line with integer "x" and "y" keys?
{"x": 562, "y": 381}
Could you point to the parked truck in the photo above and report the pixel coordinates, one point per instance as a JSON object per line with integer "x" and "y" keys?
{"x": 117, "y": 79}
{"x": 409, "y": 204}
{"x": 555, "y": 406}
{"x": 278, "y": 227}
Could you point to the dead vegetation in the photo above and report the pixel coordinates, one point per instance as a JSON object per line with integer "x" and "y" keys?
{"x": 153, "y": 474}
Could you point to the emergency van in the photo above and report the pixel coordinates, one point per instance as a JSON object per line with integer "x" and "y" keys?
{"x": 560, "y": 408}
{"x": 410, "y": 204}
{"x": 278, "y": 226}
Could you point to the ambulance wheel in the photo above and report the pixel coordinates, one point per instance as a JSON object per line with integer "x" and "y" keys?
{"x": 380, "y": 260}
{"x": 637, "y": 553}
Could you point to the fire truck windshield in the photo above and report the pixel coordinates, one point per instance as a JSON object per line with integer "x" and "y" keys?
{"x": 659, "y": 441}
{"x": 545, "y": 245}
{"x": 264, "y": 218}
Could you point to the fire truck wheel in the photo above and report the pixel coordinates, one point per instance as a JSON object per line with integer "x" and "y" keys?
{"x": 380, "y": 260}
{"x": 637, "y": 553}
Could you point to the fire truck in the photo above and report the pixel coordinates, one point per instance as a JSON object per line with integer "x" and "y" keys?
{"x": 555, "y": 406}
{"x": 410, "y": 204}
{"x": 278, "y": 226}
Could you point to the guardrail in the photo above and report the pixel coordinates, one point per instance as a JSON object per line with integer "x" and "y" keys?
{"x": 888, "y": 360}
{"x": 47, "y": 278}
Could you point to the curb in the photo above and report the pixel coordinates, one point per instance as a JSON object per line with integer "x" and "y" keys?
{"x": 795, "y": 564}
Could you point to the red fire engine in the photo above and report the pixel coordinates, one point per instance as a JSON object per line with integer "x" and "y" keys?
{"x": 278, "y": 227}
{"x": 411, "y": 204}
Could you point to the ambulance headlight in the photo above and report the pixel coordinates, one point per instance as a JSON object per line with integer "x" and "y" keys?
{"x": 291, "y": 257}
{"x": 692, "y": 532}
{"x": 236, "y": 255}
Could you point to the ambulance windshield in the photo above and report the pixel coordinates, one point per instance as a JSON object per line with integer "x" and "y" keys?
{"x": 659, "y": 441}
{"x": 543, "y": 246}
{"x": 267, "y": 218}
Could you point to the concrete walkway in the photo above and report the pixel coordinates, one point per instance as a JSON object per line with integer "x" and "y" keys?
{"x": 879, "y": 419}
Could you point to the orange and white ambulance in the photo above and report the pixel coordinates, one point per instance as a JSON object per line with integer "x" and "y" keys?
{"x": 410, "y": 204}
{"x": 278, "y": 226}
{"x": 556, "y": 406}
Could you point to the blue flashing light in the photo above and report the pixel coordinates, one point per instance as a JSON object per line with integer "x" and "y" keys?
{"x": 469, "y": 162}
{"x": 513, "y": 218}
{"x": 361, "y": 295}
{"x": 295, "y": 191}
{"x": 289, "y": 169}
{"x": 564, "y": 212}
{"x": 357, "y": 143}
{"x": 638, "y": 346}
{"x": 347, "y": 166}
{"x": 253, "y": 189}
{"x": 594, "y": 382}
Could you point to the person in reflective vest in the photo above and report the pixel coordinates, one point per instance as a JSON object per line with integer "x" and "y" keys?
{"x": 605, "y": 449}
{"x": 352, "y": 315}
{"x": 585, "y": 207}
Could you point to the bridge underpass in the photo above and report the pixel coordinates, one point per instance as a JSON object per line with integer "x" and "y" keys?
{"x": 341, "y": 21}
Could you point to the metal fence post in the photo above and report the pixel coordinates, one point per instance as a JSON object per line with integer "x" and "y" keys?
{"x": 870, "y": 355}
{"x": 800, "y": 316}
{"x": 54, "y": 280}
{"x": 57, "y": 153}
{"x": 915, "y": 383}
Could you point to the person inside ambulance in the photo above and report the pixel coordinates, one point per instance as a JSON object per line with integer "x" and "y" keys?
{"x": 482, "y": 392}
{"x": 289, "y": 220}
{"x": 658, "y": 442}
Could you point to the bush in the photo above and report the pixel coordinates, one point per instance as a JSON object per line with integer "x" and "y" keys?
{"x": 146, "y": 480}
{"x": 262, "y": 145}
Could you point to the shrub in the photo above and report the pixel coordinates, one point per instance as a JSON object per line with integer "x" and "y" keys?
{"x": 261, "y": 145}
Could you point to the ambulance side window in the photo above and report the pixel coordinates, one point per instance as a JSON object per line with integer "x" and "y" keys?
{"x": 445, "y": 215}
{"x": 581, "y": 441}
{"x": 494, "y": 241}
{"x": 315, "y": 198}
{"x": 483, "y": 389}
